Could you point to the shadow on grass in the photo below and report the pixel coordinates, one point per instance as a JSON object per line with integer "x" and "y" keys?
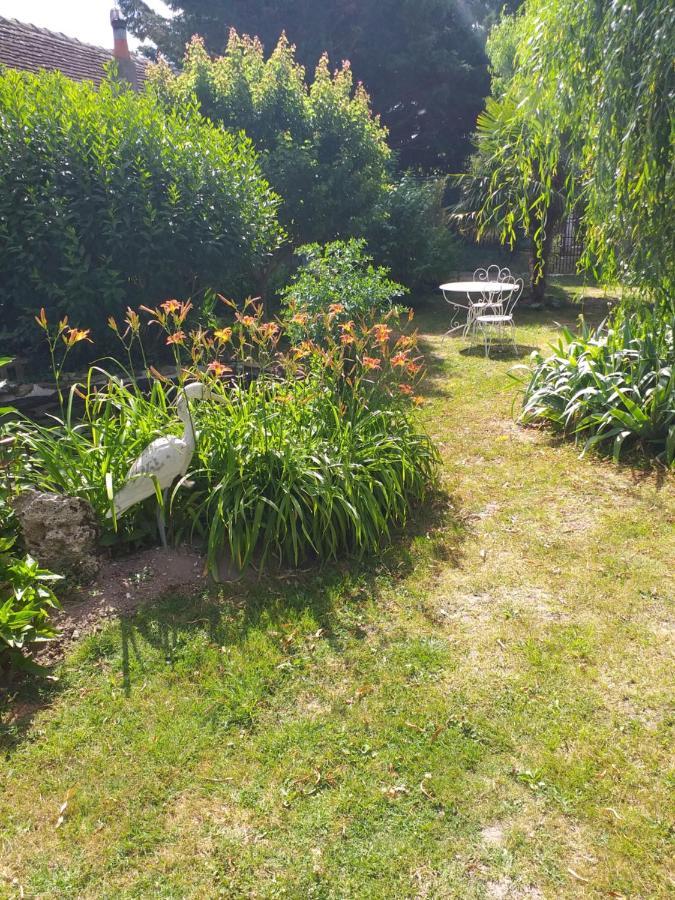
{"x": 332, "y": 593}
{"x": 21, "y": 698}
{"x": 229, "y": 612}
{"x": 505, "y": 351}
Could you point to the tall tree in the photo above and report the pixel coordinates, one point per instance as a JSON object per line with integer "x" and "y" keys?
{"x": 503, "y": 179}
{"x": 591, "y": 114}
{"x": 422, "y": 61}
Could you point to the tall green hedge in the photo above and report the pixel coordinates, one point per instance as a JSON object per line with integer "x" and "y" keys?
{"x": 108, "y": 199}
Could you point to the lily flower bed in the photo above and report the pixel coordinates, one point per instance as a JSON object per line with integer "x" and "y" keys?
{"x": 317, "y": 457}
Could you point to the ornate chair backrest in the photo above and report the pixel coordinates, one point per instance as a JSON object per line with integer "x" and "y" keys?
{"x": 512, "y": 297}
{"x": 493, "y": 273}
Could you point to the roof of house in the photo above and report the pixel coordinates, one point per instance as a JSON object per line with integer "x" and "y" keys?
{"x": 24, "y": 46}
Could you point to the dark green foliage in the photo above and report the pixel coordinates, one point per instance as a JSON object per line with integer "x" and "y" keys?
{"x": 422, "y": 61}
{"x": 319, "y": 145}
{"x": 107, "y": 199}
{"x": 26, "y": 596}
{"x": 613, "y": 387}
{"x": 410, "y": 233}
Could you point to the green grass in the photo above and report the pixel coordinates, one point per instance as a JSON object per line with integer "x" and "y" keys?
{"x": 483, "y": 711}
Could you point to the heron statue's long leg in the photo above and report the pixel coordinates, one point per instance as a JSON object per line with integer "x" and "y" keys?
{"x": 161, "y": 519}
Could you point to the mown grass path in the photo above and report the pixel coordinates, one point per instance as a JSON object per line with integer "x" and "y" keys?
{"x": 484, "y": 711}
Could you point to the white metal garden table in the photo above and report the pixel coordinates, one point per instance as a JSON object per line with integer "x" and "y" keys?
{"x": 492, "y": 298}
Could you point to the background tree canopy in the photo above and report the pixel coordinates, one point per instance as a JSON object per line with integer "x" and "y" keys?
{"x": 319, "y": 145}
{"x": 422, "y": 61}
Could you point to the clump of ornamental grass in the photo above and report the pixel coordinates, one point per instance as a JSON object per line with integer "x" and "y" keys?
{"x": 312, "y": 451}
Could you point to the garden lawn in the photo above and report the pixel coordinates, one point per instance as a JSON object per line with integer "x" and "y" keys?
{"x": 483, "y": 711}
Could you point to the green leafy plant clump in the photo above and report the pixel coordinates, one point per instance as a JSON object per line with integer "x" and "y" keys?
{"x": 611, "y": 387}
{"x": 26, "y": 601}
{"x": 338, "y": 278}
{"x": 295, "y": 472}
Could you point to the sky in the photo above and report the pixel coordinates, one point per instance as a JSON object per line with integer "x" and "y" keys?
{"x": 87, "y": 20}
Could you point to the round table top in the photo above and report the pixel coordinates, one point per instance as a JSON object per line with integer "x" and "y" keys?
{"x": 472, "y": 287}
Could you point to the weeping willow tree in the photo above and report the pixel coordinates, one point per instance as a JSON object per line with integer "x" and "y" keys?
{"x": 585, "y": 118}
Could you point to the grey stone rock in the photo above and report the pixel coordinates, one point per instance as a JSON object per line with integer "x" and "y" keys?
{"x": 60, "y": 532}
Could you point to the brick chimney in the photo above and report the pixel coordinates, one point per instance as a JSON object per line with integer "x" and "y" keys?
{"x": 121, "y": 54}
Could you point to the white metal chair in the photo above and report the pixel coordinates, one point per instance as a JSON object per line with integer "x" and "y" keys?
{"x": 496, "y": 321}
{"x": 491, "y": 302}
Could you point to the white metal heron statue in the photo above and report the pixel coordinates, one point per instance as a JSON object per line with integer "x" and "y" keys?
{"x": 163, "y": 461}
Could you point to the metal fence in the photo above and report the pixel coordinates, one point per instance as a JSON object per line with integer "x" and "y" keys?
{"x": 567, "y": 247}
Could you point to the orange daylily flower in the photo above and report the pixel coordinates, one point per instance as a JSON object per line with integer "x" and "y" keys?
{"x": 405, "y": 389}
{"x": 269, "y": 329}
{"x": 218, "y": 369}
{"x": 75, "y": 335}
{"x": 382, "y": 333}
{"x": 42, "y": 318}
{"x": 170, "y": 306}
{"x": 133, "y": 320}
{"x": 223, "y": 335}
{"x": 371, "y": 363}
{"x": 178, "y": 337}
{"x": 399, "y": 360}
{"x": 183, "y": 311}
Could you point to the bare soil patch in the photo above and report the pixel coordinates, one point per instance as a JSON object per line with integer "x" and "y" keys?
{"x": 122, "y": 587}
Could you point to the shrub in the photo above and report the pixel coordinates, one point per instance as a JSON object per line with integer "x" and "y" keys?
{"x": 338, "y": 278}
{"x": 320, "y": 147}
{"x": 107, "y": 199}
{"x": 613, "y": 387}
{"x": 410, "y": 234}
{"x": 315, "y": 457}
